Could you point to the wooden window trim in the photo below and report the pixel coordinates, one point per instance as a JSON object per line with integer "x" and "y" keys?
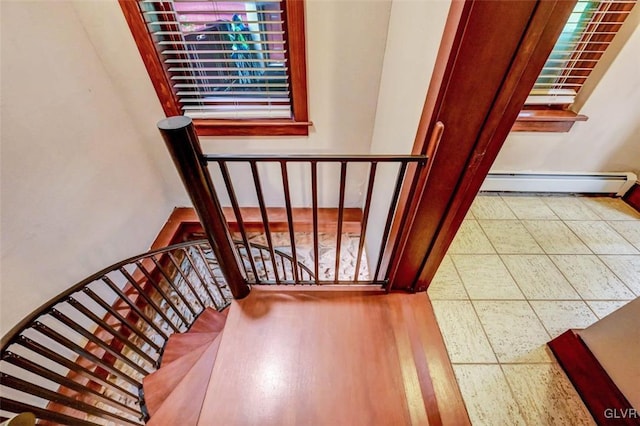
{"x": 550, "y": 119}
{"x": 296, "y": 54}
{"x": 546, "y": 120}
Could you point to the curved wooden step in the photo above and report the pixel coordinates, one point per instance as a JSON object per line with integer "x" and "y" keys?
{"x": 183, "y": 344}
{"x": 209, "y": 321}
{"x": 159, "y": 384}
{"x": 183, "y": 405}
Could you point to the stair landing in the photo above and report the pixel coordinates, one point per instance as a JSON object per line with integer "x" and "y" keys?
{"x": 336, "y": 358}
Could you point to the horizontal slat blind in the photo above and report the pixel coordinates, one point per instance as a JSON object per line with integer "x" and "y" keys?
{"x": 585, "y": 37}
{"x": 225, "y": 59}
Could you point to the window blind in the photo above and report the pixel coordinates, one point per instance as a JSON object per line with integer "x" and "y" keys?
{"x": 588, "y": 32}
{"x": 224, "y": 59}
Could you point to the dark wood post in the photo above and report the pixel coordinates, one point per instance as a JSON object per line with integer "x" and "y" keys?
{"x": 181, "y": 140}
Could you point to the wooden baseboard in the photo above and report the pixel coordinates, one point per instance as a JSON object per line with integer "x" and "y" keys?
{"x": 632, "y": 197}
{"x": 600, "y": 394}
{"x": 183, "y": 223}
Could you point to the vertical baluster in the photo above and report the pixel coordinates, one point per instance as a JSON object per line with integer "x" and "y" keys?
{"x": 314, "y": 205}
{"x": 212, "y": 274}
{"x": 204, "y": 283}
{"x": 265, "y": 217}
{"x": 135, "y": 308}
{"x": 162, "y": 293}
{"x": 148, "y": 299}
{"x": 62, "y": 318}
{"x": 365, "y": 218}
{"x": 390, "y": 214}
{"x": 61, "y": 340}
{"x": 135, "y": 329}
{"x": 49, "y": 354}
{"x": 287, "y": 202}
{"x": 111, "y": 330}
{"x": 343, "y": 179}
{"x": 186, "y": 279}
{"x": 173, "y": 285}
{"x": 238, "y": 214}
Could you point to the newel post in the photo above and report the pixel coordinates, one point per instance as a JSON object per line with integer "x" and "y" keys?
{"x": 183, "y": 144}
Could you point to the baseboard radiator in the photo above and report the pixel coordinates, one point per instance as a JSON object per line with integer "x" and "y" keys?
{"x": 582, "y": 183}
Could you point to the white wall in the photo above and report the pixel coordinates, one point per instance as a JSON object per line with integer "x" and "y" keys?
{"x": 610, "y": 140}
{"x": 415, "y": 31}
{"x": 79, "y": 188}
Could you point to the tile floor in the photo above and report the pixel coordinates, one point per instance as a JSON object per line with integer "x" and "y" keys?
{"x": 521, "y": 271}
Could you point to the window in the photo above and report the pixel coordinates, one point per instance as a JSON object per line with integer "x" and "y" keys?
{"x": 588, "y": 32}
{"x": 235, "y": 67}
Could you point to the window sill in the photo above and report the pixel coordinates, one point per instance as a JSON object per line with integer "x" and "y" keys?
{"x": 546, "y": 121}
{"x": 276, "y": 127}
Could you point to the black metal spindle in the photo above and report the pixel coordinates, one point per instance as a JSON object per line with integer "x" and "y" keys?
{"x": 148, "y": 299}
{"x": 314, "y": 208}
{"x": 34, "y": 368}
{"x": 49, "y": 354}
{"x": 365, "y": 218}
{"x": 212, "y": 274}
{"x": 61, "y": 340}
{"x": 343, "y": 183}
{"x": 151, "y": 280}
{"x": 390, "y": 215}
{"x": 288, "y": 207}
{"x": 186, "y": 279}
{"x": 40, "y": 392}
{"x": 41, "y": 413}
{"x": 195, "y": 269}
{"x": 124, "y": 321}
{"x": 115, "y": 333}
{"x": 264, "y": 216}
{"x": 135, "y": 308}
{"x": 77, "y": 328}
{"x": 238, "y": 215}
{"x": 173, "y": 285}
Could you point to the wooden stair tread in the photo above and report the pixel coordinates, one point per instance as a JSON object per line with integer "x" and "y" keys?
{"x": 159, "y": 384}
{"x": 183, "y": 344}
{"x": 209, "y": 321}
{"x": 183, "y": 405}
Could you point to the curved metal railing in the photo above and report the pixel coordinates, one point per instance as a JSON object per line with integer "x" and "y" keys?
{"x": 80, "y": 358}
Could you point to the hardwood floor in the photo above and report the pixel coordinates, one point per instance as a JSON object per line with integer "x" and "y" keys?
{"x": 338, "y": 358}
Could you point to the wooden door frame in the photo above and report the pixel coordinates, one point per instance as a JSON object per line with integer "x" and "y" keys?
{"x": 491, "y": 54}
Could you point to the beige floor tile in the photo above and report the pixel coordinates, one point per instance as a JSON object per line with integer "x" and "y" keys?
{"x": 446, "y": 284}
{"x": 611, "y": 208}
{"x": 555, "y": 237}
{"x": 591, "y": 278}
{"x": 627, "y": 268}
{"x": 514, "y": 331}
{"x": 487, "y": 396}
{"x": 602, "y": 308}
{"x": 570, "y": 208}
{"x": 558, "y": 316}
{"x": 538, "y": 277}
{"x": 491, "y": 207}
{"x": 545, "y": 395}
{"x": 470, "y": 239}
{"x": 529, "y": 207}
{"x": 509, "y": 236}
{"x": 629, "y": 229}
{"x": 486, "y": 277}
{"x": 600, "y": 237}
{"x": 463, "y": 335}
